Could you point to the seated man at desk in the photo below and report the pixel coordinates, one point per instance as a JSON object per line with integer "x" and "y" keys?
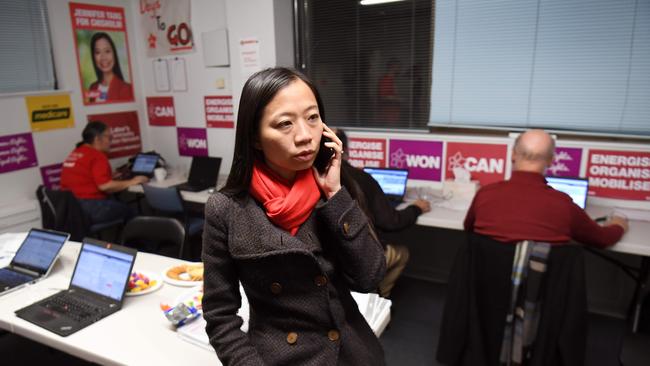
{"x": 87, "y": 174}
{"x": 383, "y": 216}
{"x": 526, "y": 208}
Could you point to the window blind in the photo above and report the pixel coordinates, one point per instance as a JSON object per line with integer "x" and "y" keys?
{"x": 580, "y": 65}
{"x": 25, "y": 47}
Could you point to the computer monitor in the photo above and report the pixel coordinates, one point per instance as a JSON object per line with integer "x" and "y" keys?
{"x": 576, "y": 188}
{"x": 392, "y": 181}
{"x": 144, "y": 164}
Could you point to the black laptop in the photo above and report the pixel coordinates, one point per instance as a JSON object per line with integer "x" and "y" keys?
{"x": 204, "y": 173}
{"x": 33, "y": 260}
{"x": 96, "y": 290}
{"x": 392, "y": 181}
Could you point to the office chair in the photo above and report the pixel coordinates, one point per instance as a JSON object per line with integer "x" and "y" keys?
{"x": 168, "y": 202}
{"x": 60, "y": 210}
{"x": 479, "y": 298}
{"x": 154, "y": 234}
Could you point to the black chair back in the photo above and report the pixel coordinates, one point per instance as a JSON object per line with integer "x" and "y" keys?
{"x": 160, "y": 235}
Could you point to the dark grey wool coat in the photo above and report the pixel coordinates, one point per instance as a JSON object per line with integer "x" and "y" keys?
{"x": 301, "y": 310}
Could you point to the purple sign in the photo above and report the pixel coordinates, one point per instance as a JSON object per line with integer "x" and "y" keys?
{"x": 423, "y": 159}
{"x": 17, "y": 152}
{"x": 192, "y": 141}
{"x": 52, "y": 176}
{"x": 566, "y": 163}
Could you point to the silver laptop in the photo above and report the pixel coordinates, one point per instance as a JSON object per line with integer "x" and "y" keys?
{"x": 33, "y": 260}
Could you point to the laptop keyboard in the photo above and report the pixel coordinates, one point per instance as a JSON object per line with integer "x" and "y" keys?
{"x": 72, "y": 307}
{"x": 13, "y": 278}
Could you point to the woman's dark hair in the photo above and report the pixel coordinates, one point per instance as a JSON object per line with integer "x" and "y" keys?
{"x": 92, "y": 130}
{"x": 116, "y": 61}
{"x": 257, "y": 93}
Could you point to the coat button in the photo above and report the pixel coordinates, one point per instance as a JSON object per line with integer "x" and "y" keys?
{"x": 292, "y": 337}
{"x": 346, "y": 228}
{"x": 320, "y": 280}
{"x": 276, "y": 288}
{"x": 333, "y": 335}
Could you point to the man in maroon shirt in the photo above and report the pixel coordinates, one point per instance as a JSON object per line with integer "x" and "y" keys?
{"x": 526, "y": 208}
{"x": 87, "y": 174}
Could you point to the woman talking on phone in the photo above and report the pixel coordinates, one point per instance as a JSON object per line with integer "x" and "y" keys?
{"x": 292, "y": 236}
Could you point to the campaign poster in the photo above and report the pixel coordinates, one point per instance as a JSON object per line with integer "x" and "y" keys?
{"x": 423, "y": 159}
{"x": 48, "y": 112}
{"x": 192, "y": 141}
{"x": 619, "y": 174}
{"x": 166, "y": 27}
{"x": 125, "y": 132}
{"x": 485, "y": 163}
{"x": 51, "y": 175}
{"x": 219, "y": 112}
{"x": 160, "y": 111}
{"x": 566, "y": 162}
{"x": 366, "y": 152}
{"x": 102, "y": 53}
{"x": 17, "y": 152}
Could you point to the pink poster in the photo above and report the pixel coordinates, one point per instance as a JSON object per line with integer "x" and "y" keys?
{"x": 366, "y": 152}
{"x": 17, "y": 152}
{"x": 483, "y": 162}
{"x": 51, "y": 175}
{"x": 192, "y": 141}
{"x": 566, "y": 162}
{"x": 423, "y": 159}
{"x": 619, "y": 174}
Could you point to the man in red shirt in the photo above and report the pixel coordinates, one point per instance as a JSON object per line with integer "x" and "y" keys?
{"x": 87, "y": 173}
{"x": 526, "y": 208}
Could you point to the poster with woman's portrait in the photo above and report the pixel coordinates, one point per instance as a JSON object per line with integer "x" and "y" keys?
{"x": 102, "y": 53}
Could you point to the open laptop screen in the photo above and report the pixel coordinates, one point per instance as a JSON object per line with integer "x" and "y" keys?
{"x": 204, "y": 170}
{"x": 103, "y": 271}
{"x": 392, "y": 181}
{"x": 576, "y": 188}
{"x": 144, "y": 164}
{"x": 39, "y": 250}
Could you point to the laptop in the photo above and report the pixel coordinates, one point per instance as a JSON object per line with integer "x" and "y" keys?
{"x": 33, "y": 260}
{"x": 96, "y": 290}
{"x": 576, "y": 188}
{"x": 204, "y": 172}
{"x": 144, "y": 164}
{"x": 392, "y": 181}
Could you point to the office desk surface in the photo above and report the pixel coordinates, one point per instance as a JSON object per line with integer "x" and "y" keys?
{"x": 635, "y": 241}
{"x": 197, "y": 197}
{"x": 139, "y": 334}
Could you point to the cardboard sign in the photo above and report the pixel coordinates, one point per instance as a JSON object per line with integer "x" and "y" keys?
{"x": 51, "y": 175}
{"x": 366, "y": 152}
{"x": 423, "y": 159}
{"x": 219, "y": 111}
{"x": 192, "y": 141}
{"x": 48, "y": 112}
{"x": 166, "y": 26}
{"x": 619, "y": 174}
{"x": 160, "y": 111}
{"x": 566, "y": 162}
{"x": 17, "y": 152}
{"x": 125, "y": 132}
{"x": 484, "y": 162}
{"x": 102, "y": 53}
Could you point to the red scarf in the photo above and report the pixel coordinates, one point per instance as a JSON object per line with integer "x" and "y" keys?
{"x": 287, "y": 204}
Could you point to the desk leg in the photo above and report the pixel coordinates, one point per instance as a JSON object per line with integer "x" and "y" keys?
{"x": 639, "y": 292}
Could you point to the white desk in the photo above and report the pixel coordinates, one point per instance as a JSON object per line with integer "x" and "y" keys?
{"x": 197, "y": 197}
{"x": 138, "y": 334}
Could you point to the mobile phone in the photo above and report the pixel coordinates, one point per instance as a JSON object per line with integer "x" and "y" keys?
{"x": 324, "y": 155}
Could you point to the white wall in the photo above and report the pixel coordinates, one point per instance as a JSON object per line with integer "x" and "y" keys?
{"x": 54, "y": 145}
